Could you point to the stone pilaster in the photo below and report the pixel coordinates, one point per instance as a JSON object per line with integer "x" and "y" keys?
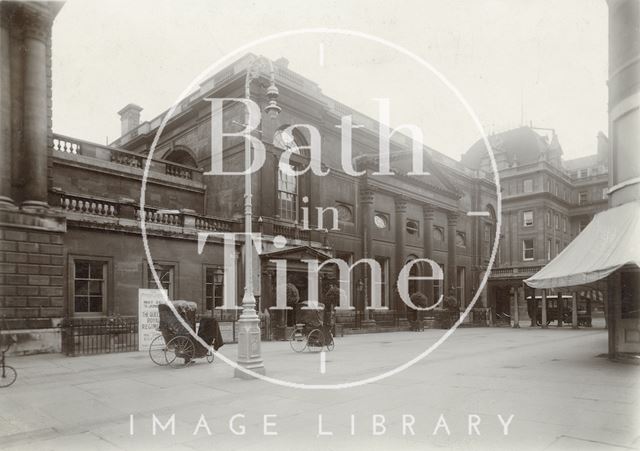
{"x": 401, "y": 224}
{"x": 367, "y": 199}
{"x": 452, "y": 267}
{"x": 427, "y": 249}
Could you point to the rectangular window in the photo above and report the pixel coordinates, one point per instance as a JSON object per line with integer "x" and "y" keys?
{"x": 527, "y": 186}
{"x": 165, "y": 276}
{"x": 564, "y": 224}
{"x": 583, "y": 197}
{"x": 437, "y": 285}
{"x": 548, "y": 217}
{"x": 384, "y": 280}
{"x": 557, "y": 190}
{"x": 213, "y": 287}
{"x": 557, "y": 222}
{"x": 287, "y": 196}
{"x": 527, "y": 218}
{"x": 89, "y": 289}
{"x": 548, "y": 249}
{"x": 557, "y": 247}
{"x": 549, "y": 185}
{"x": 527, "y": 249}
{"x": 583, "y": 173}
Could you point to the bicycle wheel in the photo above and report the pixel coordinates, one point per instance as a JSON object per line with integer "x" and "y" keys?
{"x": 180, "y": 351}
{"x": 315, "y": 340}
{"x": 158, "y": 351}
{"x": 298, "y": 340}
{"x": 330, "y": 343}
{"x": 8, "y": 376}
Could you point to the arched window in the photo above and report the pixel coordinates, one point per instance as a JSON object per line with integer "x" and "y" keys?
{"x": 181, "y": 156}
{"x": 293, "y": 141}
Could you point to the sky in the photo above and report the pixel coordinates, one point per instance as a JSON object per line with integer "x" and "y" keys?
{"x": 515, "y": 62}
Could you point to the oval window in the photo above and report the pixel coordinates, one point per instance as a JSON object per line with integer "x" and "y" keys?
{"x": 412, "y": 227}
{"x": 344, "y": 213}
{"x": 381, "y": 221}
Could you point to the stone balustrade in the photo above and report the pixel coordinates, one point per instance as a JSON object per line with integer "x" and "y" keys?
{"x": 89, "y": 206}
{"x": 291, "y": 232}
{"x": 152, "y": 216}
{"x": 72, "y": 146}
{"x": 213, "y": 224}
{"x": 92, "y": 208}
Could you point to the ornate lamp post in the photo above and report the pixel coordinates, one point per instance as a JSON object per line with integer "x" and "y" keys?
{"x": 249, "y": 353}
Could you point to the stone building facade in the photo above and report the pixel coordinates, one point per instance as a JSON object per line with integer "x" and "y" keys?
{"x": 31, "y": 234}
{"x": 546, "y": 201}
{"x": 71, "y": 213}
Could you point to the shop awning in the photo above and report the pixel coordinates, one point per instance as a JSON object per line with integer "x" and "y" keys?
{"x": 610, "y": 241}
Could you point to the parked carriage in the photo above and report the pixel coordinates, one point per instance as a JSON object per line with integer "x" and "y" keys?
{"x": 175, "y": 345}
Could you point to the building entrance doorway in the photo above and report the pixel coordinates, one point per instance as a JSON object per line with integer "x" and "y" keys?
{"x": 502, "y": 300}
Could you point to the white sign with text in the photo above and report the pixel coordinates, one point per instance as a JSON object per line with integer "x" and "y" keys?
{"x": 148, "y": 316}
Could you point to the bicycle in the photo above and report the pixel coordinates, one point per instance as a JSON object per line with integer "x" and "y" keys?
{"x": 8, "y": 374}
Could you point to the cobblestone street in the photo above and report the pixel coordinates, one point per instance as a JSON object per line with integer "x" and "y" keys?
{"x": 561, "y": 392}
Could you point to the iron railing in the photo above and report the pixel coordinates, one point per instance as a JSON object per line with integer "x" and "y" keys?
{"x": 87, "y": 336}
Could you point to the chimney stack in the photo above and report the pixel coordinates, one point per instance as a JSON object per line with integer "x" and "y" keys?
{"x": 129, "y": 118}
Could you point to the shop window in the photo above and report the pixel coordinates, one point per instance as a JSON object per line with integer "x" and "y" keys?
{"x": 89, "y": 286}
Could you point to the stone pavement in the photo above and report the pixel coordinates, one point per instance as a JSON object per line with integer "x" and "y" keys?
{"x": 561, "y": 392}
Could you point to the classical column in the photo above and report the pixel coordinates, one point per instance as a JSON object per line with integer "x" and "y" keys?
{"x": 544, "y": 309}
{"x": 401, "y": 224}
{"x": 452, "y": 268}
{"x": 6, "y": 175}
{"x": 367, "y": 198}
{"x": 427, "y": 249}
{"x": 36, "y": 29}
